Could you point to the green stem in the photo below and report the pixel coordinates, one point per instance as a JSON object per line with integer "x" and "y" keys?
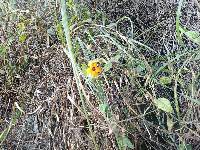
{"x": 70, "y": 54}
{"x": 176, "y": 98}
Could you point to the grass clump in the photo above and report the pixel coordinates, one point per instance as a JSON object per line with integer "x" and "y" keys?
{"x": 139, "y": 98}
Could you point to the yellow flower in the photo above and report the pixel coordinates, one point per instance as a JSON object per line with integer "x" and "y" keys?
{"x": 94, "y": 69}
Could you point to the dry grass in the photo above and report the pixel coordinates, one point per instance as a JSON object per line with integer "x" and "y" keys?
{"x": 47, "y": 102}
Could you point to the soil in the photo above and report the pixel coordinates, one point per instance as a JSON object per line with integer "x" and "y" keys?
{"x": 42, "y": 84}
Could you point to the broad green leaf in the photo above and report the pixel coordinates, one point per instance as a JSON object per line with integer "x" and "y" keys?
{"x": 194, "y": 36}
{"x": 103, "y": 108}
{"x": 184, "y": 146}
{"x": 163, "y": 104}
{"x": 123, "y": 142}
{"x": 141, "y": 68}
{"x": 165, "y": 80}
{"x": 127, "y": 142}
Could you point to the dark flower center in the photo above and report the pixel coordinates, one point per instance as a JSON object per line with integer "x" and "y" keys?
{"x": 93, "y": 68}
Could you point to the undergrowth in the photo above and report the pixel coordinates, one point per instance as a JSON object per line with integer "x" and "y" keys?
{"x": 141, "y": 100}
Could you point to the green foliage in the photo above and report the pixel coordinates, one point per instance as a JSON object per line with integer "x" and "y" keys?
{"x": 21, "y": 26}
{"x": 140, "y": 68}
{"x": 125, "y": 89}
{"x": 22, "y": 38}
{"x": 194, "y": 36}
{"x": 3, "y": 135}
{"x": 178, "y": 15}
{"x": 170, "y": 123}
{"x": 193, "y": 100}
{"x": 163, "y": 104}
{"x": 16, "y": 115}
{"x": 108, "y": 63}
{"x": 184, "y": 146}
{"x": 21, "y": 30}
{"x": 124, "y": 143}
{"x": 3, "y": 50}
{"x": 165, "y": 80}
{"x": 70, "y": 3}
{"x": 60, "y": 33}
{"x": 197, "y": 57}
{"x": 104, "y": 109}
{"x": 107, "y": 66}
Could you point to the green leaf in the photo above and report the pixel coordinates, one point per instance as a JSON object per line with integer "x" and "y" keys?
{"x": 184, "y": 146}
{"x": 170, "y": 123}
{"x": 21, "y": 26}
{"x": 60, "y": 33}
{"x": 116, "y": 58}
{"x": 141, "y": 68}
{"x": 107, "y": 66}
{"x": 178, "y": 15}
{"x": 163, "y": 104}
{"x": 3, "y": 135}
{"x": 127, "y": 142}
{"x": 3, "y": 50}
{"x": 194, "y": 36}
{"x": 165, "y": 80}
{"x": 196, "y": 101}
{"x": 84, "y": 68}
{"x": 13, "y": 121}
{"x": 70, "y": 3}
{"x": 123, "y": 142}
{"x": 197, "y": 57}
{"x": 22, "y": 38}
{"x": 103, "y": 108}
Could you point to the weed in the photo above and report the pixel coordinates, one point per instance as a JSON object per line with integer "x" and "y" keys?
{"x": 88, "y": 83}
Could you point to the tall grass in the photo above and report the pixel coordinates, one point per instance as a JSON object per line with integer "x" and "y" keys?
{"x": 141, "y": 99}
